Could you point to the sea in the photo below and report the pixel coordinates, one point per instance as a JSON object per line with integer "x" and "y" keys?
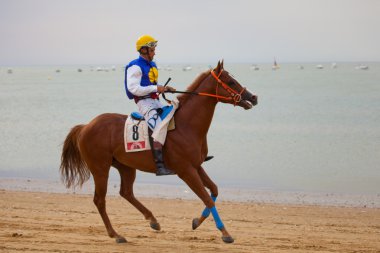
{"x": 313, "y": 138}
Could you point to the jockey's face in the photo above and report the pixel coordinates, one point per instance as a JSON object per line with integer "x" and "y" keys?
{"x": 148, "y": 53}
{"x": 151, "y": 52}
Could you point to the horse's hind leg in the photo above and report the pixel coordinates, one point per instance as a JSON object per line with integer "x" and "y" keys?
{"x": 128, "y": 176}
{"x": 101, "y": 181}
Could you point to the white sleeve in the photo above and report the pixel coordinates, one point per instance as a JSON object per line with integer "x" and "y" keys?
{"x": 134, "y": 74}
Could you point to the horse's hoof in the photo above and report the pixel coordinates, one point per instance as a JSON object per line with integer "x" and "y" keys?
{"x": 121, "y": 240}
{"x": 195, "y": 223}
{"x": 227, "y": 239}
{"x": 155, "y": 226}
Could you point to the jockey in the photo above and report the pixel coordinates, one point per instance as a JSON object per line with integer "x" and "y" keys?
{"x": 141, "y": 76}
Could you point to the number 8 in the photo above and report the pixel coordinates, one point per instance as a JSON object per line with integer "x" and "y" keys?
{"x": 135, "y": 135}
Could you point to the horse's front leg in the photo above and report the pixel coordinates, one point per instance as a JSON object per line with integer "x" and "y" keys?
{"x": 193, "y": 180}
{"x": 208, "y": 182}
{"x": 214, "y": 194}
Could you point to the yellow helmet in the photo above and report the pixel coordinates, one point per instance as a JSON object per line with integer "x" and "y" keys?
{"x": 145, "y": 41}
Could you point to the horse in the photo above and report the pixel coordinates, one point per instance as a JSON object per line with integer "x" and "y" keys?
{"x": 92, "y": 149}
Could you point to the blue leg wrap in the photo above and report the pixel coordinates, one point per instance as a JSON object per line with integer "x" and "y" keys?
{"x": 206, "y": 212}
{"x": 218, "y": 221}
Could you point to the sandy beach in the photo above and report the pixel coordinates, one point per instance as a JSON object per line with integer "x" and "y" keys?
{"x": 53, "y": 222}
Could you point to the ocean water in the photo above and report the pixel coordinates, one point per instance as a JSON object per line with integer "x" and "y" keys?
{"x": 313, "y": 130}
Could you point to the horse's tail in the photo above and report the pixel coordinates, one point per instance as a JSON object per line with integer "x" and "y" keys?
{"x": 74, "y": 171}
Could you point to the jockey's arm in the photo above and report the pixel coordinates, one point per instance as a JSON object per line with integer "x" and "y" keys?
{"x": 161, "y": 88}
{"x": 134, "y": 75}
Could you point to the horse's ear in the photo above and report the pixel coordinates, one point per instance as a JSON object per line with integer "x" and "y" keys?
{"x": 219, "y": 67}
{"x": 222, "y": 63}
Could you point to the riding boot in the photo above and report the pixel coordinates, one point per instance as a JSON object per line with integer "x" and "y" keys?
{"x": 159, "y": 160}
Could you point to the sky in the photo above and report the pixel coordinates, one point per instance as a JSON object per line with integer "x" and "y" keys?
{"x": 44, "y": 32}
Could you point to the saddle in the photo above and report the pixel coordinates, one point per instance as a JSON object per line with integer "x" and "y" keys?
{"x": 137, "y": 116}
{"x": 137, "y": 135}
{"x": 162, "y": 112}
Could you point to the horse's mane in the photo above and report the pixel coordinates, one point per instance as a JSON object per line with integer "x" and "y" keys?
{"x": 193, "y": 86}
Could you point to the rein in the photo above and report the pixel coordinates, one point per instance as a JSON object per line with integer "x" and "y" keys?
{"x": 234, "y": 95}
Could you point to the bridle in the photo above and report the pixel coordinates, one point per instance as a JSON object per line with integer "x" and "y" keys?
{"x": 234, "y": 95}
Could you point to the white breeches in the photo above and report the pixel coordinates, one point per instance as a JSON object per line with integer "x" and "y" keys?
{"x": 147, "y": 108}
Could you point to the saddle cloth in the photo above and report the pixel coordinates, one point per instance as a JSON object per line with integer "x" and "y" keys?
{"x": 136, "y": 136}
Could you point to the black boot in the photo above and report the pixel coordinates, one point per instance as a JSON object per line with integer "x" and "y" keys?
{"x": 159, "y": 159}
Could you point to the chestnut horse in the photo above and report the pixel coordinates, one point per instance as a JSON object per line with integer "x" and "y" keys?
{"x": 95, "y": 147}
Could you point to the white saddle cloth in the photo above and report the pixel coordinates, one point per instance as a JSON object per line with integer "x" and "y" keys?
{"x": 136, "y": 136}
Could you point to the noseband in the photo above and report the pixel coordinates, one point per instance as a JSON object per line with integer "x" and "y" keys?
{"x": 234, "y": 95}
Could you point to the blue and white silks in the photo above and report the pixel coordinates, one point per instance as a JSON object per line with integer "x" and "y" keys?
{"x": 141, "y": 77}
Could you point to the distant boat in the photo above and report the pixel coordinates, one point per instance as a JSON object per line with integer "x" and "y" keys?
{"x": 187, "y": 68}
{"x": 58, "y": 70}
{"x": 10, "y": 71}
{"x": 300, "y": 67}
{"x": 275, "y": 65}
{"x": 254, "y": 67}
{"x": 362, "y": 67}
{"x": 319, "y": 66}
{"x": 113, "y": 68}
{"x": 79, "y": 70}
{"x": 334, "y": 65}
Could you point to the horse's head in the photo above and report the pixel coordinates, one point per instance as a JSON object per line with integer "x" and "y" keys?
{"x": 228, "y": 90}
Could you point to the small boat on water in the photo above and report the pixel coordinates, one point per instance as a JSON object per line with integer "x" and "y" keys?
{"x": 9, "y": 71}
{"x": 334, "y": 65}
{"x": 275, "y": 65}
{"x": 319, "y": 66}
{"x": 300, "y": 67}
{"x": 187, "y": 68}
{"x": 362, "y": 67}
{"x": 254, "y": 67}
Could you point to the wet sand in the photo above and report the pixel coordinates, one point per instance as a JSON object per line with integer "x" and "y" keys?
{"x": 53, "y": 222}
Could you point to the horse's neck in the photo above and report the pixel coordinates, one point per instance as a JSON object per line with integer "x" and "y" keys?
{"x": 198, "y": 112}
